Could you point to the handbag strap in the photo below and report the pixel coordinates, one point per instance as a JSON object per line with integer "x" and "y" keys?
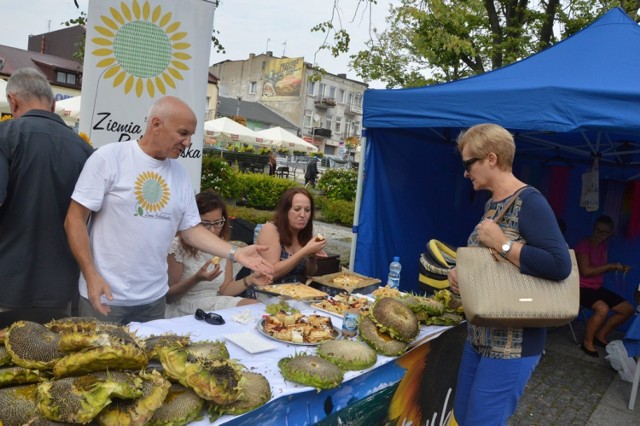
{"x": 507, "y": 206}
{"x": 496, "y": 219}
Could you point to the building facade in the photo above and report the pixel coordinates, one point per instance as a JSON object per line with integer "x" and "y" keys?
{"x": 327, "y": 108}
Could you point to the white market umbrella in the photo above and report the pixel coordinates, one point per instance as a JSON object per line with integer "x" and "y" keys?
{"x": 226, "y": 130}
{"x": 69, "y": 109}
{"x": 4, "y": 104}
{"x": 285, "y": 139}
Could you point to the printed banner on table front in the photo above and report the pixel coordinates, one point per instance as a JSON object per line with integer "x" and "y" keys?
{"x": 137, "y": 51}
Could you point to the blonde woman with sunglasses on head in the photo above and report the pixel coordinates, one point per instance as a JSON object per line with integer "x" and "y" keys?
{"x": 198, "y": 281}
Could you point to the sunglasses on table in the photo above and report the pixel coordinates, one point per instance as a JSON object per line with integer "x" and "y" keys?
{"x": 209, "y": 317}
{"x": 216, "y": 224}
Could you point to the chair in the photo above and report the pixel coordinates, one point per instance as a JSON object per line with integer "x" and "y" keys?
{"x": 282, "y": 171}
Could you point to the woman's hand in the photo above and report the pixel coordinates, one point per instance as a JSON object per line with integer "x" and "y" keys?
{"x": 314, "y": 247}
{"x": 490, "y": 234}
{"x": 204, "y": 274}
{"x": 618, "y": 267}
{"x": 256, "y": 278}
{"x": 453, "y": 280}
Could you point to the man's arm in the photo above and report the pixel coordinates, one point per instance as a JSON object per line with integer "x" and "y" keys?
{"x": 75, "y": 225}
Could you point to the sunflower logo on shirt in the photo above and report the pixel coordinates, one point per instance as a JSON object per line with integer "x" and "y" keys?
{"x": 152, "y": 192}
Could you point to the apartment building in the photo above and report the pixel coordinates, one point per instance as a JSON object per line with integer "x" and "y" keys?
{"x": 327, "y": 108}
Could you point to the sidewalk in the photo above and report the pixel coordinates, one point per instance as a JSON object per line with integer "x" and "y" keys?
{"x": 572, "y": 388}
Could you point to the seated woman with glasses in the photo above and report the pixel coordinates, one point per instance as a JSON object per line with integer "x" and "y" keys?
{"x": 290, "y": 236}
{"x": 196, "y": 281}
{"x": 591, "y": 255}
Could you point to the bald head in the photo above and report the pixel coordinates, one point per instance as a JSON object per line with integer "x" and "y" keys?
{"x": 170, "y": 124}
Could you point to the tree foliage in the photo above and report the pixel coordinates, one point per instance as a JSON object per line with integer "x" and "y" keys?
{"x": 430, "y": 41}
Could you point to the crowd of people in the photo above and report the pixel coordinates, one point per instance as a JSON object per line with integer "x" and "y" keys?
{"x": 74, "y": 220}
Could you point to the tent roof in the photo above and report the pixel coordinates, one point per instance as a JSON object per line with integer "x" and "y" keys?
{"x": 587, "y": 81}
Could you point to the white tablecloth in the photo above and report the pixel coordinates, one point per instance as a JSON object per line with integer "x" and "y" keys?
{"x": 266, "y": 362}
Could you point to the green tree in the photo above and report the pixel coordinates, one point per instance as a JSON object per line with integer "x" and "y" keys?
{"x": 432, "y": 41}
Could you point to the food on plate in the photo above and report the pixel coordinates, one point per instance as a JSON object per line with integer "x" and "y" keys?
{"x": 281, "y": 306}
{"x": 346, "y": 281}
{"x": 32, "y": 345}
{"x": 387, "y": 292}
{"x": 348, "y": 354}
{"x": 79, "y": 399}
{"x": 181, "y": 406}
{"x": 18, "y": 404}
{"x": 298, "y": 328}
{"x": 342, "y": 302}
{"x": 215, "y": 260}
{"x": 319, "y": 237}
{"x": 255, "y": 391}
{"x": 393, "y": 317}
{"x": 311, "y": 370}
{"x": 294, "y": 291}
{"x": 140, "y": 410}
{"x": 378, "y": 340}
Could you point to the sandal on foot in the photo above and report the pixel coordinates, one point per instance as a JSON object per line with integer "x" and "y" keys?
{"x": 588, "y": 352}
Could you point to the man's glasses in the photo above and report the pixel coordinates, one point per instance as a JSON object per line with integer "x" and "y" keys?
{"x": 214, "y": 224}
{"x": 468, "y": 163}
{"x": 209, "y": 317}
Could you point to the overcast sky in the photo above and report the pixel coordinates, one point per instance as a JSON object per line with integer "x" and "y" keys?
{"x": 245, "y": 26}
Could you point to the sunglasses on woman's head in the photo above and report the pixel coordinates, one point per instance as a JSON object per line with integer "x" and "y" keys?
{"x": 209, "y": 317}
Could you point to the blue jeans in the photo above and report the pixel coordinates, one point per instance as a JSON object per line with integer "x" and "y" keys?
{"x": 488, "y": 389}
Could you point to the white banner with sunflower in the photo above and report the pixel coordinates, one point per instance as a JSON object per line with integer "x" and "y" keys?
{"x": 136, "y": 52}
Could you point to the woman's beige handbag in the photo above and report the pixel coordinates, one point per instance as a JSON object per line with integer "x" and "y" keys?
{"x": 495, "y": 293}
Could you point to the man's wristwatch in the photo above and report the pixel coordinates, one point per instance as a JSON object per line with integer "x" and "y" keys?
{"x": 232, "y": 253}
{"x": 505, "y": 248}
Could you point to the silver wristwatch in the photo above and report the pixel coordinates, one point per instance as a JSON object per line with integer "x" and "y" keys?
{"x": 232, "y": 253}
{"x": 505, "y": 248}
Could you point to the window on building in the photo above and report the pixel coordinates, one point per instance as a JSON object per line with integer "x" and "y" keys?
{"x": 66, "y": 78}
{"x": 358, "y": 101}
{"x": 308, "y": 119}
{"x": 332, "y": 92}
{"x": 328, "y": 121}
{"x": 356, "y": 128}
{"x": 341, "y": 96}
{"x": 347, "y": 127}
{"x": 321, "y": 89}
{"x": 338, "y": 128}
{"x": 311, "y": 87}
{"x": 253, "y": 87}
{"x": 350, "y": 99}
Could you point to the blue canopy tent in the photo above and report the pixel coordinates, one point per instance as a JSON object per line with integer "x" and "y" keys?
{"x": 575, "y": 101}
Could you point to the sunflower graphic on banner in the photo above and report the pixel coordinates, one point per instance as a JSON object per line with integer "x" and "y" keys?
{"x": 137, "y": 51}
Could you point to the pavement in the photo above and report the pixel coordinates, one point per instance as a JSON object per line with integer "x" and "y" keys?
{"x": 568, "y": 387}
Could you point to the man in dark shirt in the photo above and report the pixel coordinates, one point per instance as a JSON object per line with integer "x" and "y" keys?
{"x": 311, "y": 173}
{"x": 40, "y": 161}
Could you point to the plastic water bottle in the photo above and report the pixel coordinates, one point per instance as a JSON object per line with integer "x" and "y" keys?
{"x": 394, "y": 273}
{"x": 256, "y": 231}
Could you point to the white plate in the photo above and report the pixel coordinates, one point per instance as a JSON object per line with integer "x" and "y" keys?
{"x": 250, "y": 342}
{"x": 260, "y": 328}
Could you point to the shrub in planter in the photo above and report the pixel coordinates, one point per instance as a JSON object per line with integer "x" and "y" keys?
{"x": 218, "y": 176}
{"x": 261, "y": 191}
{"x": 337, "y": 211}
{"x": 339, "y": 184}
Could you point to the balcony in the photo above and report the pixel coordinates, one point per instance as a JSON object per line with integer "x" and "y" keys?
{"x": 353, "y": 109}
{"x": 321, "y": 132}
{"x": 325, "y": 102}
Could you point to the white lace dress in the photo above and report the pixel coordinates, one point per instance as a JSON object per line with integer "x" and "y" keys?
{"x": 203, "y": 295}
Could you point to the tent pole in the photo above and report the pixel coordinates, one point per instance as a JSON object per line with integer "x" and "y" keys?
{"x": 356, "y": 212}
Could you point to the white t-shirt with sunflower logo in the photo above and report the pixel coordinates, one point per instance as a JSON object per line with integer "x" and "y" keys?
{"x": 138, "y": 204}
